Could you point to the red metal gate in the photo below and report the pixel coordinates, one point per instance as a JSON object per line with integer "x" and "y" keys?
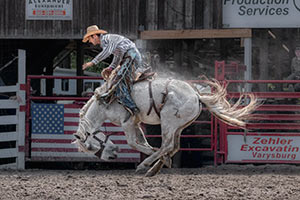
{"x": 273, "y": 134}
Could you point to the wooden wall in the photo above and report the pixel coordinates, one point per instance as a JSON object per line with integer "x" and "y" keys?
{"x": 182, "y": 14}
{"x": 117, "y": 16}
{"x": 125, "y": 17}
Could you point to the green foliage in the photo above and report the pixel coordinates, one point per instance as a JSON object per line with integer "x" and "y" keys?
{"x": 96, "y": 68}
{"x": 73, "y": 60}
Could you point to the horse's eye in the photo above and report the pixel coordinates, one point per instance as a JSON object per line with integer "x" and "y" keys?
{"x": 110, "y": 147}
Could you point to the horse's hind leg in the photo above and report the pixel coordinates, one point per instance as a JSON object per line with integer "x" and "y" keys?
{"x": 155, "y": 169}
{"x": 159, "y": 164}
{"x": 175, "y": 116}
{"x": 166, "y": 146}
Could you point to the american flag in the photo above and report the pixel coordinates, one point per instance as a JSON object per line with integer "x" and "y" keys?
{"x": 52, "y": 128}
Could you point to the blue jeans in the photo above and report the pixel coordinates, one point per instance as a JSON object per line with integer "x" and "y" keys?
{"x": 132, "y": 60}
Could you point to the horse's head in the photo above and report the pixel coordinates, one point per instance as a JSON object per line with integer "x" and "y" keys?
{"x": 89, "y": 140}
{"x": 98, "y": 144}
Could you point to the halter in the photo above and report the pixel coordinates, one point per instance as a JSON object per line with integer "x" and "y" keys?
{"x": 99, "y": 152}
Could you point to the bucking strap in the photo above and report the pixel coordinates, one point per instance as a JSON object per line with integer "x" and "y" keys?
{"x": 152, "y": 102}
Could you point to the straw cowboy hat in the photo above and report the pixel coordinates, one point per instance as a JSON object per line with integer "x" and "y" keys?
{"x": 92, "y": 30}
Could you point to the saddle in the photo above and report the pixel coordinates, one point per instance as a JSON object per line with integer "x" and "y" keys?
{"x": 107, "y": 94}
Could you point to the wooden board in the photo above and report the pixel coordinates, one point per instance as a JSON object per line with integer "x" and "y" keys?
{"x": 196, "y": 34}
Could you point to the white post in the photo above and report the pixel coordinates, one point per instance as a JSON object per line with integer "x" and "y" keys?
{"x": 248, "y": 61}
{"x": 21, "y": 113}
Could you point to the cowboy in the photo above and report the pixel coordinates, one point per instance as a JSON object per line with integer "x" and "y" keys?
{"x": 126, "y": 55}
{"x": 295, "y": 69}
{"x": 295, "y": 66}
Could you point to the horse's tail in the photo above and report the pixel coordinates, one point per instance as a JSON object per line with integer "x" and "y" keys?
{"x": 218, "y": 105}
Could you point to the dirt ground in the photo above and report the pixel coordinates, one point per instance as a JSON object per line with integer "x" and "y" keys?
{"x": 222, "y": 182}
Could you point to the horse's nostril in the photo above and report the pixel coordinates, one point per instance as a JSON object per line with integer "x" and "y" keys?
{"x": 77, "y": 137}
{"x": 112, "y": 157}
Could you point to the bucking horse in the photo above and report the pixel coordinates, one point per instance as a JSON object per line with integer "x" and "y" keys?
{"x": 172, "y": 103}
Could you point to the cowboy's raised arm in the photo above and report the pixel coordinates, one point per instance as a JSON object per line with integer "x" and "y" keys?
{"x": 108, "y": 46}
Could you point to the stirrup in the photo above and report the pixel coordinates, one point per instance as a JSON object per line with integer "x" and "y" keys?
{"x": 131, "y": 113}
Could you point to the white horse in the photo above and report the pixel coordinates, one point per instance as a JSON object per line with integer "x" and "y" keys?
{"x": 174, "y": 104}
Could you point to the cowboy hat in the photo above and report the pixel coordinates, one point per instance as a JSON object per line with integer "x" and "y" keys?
{"x": 92, "y": 30}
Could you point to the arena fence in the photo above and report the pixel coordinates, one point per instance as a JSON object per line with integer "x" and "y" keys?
{"x": 273, "y": 134}
{"x": 12, "y": 120}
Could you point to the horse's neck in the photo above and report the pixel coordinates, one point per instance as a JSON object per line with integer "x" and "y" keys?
{"x": 102, "y": 89}
{"x": 114, "y": 112}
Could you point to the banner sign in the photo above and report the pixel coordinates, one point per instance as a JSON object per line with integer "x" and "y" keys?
{"x": 261, "y": 13}
{"x": 49, "y": 9}
{"x": 263, "y": 148}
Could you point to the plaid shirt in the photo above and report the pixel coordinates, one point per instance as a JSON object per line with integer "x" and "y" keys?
{"x": 113, "y": 44}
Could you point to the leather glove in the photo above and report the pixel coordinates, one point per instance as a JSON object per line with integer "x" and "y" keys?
{"x": 106, "y": 72}
{"x": 137, "y": 76}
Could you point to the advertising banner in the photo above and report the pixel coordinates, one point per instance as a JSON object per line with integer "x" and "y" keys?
{"x": 263, "y": 148}
{"x": 261, "y": 13}
{"x": 49, "y": 9}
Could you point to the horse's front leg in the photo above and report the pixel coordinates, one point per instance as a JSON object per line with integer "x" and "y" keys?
{"x": 141, "y": 139}
{"x": 136, "y": 140}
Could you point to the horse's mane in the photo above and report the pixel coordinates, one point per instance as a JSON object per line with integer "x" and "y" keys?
{"x": 97, "y": 93}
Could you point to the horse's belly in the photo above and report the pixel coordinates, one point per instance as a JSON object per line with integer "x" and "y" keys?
{"x": 178, "y": 94}
{"x": 151, "y": 119}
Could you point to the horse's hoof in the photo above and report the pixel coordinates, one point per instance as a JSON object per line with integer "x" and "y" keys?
{"x": 141, "y": 169}
{"x": 150, "y": 173}
{"x": 155, "y": 169}
{"x": 167, "y": 161}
